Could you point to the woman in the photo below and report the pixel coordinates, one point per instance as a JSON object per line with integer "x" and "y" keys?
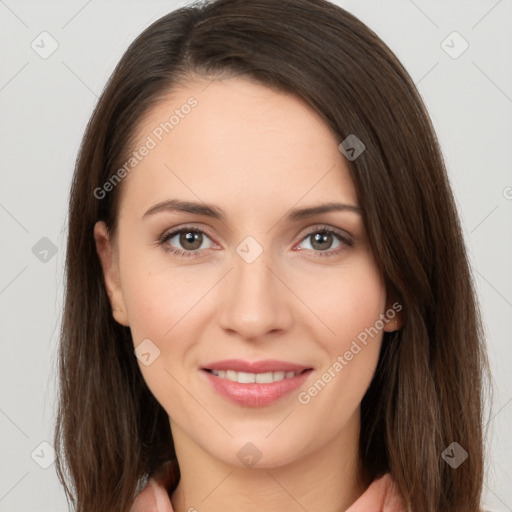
{"x": 318, "y": 345}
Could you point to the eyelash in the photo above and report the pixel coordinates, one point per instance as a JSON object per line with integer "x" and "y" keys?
{"x": 162, "y": 241}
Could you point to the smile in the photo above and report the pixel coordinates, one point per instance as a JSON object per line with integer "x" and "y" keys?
{"x": 255, "y": 389}
{"x": 249, "y": 378}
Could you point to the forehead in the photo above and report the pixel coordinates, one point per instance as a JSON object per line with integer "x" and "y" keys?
{"x": 237, "y": 143}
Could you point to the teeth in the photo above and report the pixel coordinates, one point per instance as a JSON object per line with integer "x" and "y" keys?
{"x": 248, "y": 378}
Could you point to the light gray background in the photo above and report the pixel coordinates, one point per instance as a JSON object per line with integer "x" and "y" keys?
{"x": 45, "y": 105}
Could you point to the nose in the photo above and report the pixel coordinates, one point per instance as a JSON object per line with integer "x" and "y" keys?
{"x": 255, "y": 301}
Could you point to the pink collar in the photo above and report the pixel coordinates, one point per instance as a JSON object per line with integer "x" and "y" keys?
{"x": 381, "y": 496}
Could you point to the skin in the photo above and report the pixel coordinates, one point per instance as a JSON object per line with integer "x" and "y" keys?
{"x": 254, "y": 153}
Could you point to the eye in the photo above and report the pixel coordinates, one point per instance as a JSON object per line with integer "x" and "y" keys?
{"x": 190, "y": 239}
{"x": 322, "y": 238}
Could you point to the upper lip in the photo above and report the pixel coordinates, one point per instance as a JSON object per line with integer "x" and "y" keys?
{"x": 268, "y": 365}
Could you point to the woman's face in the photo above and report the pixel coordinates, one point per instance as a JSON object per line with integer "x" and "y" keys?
{"x": 256, "y": 284}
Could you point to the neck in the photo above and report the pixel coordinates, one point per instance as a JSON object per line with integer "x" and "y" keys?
{"x": 324, "y": 480}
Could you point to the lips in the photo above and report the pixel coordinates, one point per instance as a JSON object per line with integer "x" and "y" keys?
{"x": 253, "y": 392}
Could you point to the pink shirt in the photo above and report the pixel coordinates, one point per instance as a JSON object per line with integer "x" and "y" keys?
{"x": 380, "y": 496}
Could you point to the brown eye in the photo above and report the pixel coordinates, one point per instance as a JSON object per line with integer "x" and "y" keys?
{"x": 185, "y": 241}
{"x": 322, "y": 240}
{"x": 191, "y": 240}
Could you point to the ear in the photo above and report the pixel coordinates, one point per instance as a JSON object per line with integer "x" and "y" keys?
{"x": 110, "y": 266}
{"x": 395, "y": 315}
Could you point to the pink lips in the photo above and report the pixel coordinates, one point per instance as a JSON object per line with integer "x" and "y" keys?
{"x": 255, "y": 394}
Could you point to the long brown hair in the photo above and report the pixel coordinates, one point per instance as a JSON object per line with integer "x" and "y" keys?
{"x": 428, "y": 390}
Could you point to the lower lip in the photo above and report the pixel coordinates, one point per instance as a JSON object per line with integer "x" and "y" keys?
{"x": 256, "y": 394}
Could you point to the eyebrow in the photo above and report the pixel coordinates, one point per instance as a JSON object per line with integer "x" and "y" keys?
{"x": 175, "y": 205}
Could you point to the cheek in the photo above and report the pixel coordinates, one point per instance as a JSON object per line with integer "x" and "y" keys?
{"x": 351, "y": 306}
{"x": 357, "y": 310}
{"x": 156, "y": 294}
{"x": 166, "y": 305}
{"x": 157, "y": 304}
{"x": 346, "y": 301}
{"x": 149, "y": 304}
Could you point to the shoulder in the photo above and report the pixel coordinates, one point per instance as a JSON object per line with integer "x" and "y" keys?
{"x": 382, "y": 495}
{"x": 155, "y": 496}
